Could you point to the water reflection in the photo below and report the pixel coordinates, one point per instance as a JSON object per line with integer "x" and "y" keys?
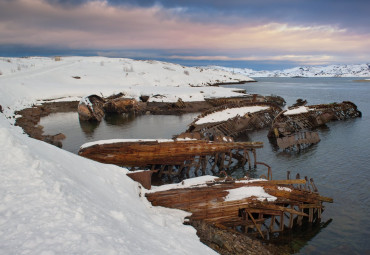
{"x": 116, "y": 119}
{"x": 293, "y": 240}
{"x": 88, "y": 127}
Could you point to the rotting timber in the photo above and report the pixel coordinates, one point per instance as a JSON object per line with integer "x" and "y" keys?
{"x": 295, "y": 201}
{"x": 296, "y": 130}
{"x": 179, "y": 157}
{"x": 237, "y": 125}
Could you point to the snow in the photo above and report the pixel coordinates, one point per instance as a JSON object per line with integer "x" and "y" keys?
{"x": 359, "y": 70}
{"x": 85, "y": 100}
{"x": 247, "y": 192}
{"x": 28, "y": 80}
{"x": 110, "y": 141}
{"x": 298, "y": 110}
{"x": 195, "y": 182}
{"x": 251, "y": 180}
{"x": 284, "y": 189}
{"x": 188, "y": 183}
{"x": 229, "y": 113}
{"x": 55, "y": 202}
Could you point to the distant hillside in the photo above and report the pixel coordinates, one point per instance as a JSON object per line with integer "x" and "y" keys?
{"x": 362, "y": 70}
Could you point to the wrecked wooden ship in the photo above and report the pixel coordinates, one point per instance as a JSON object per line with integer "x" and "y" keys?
{"x": 177, "y": 157}
{"x": 220, "y": 202}
{"x": 234, "y": 119}
{"x": 294, "y": 129}
{"x": 94, "y": 107}
{"x": 258, "y": 206}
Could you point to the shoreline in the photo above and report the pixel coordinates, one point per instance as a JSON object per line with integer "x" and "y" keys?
{"x": 363, "y": 80}
{"x": 29, "y": 122}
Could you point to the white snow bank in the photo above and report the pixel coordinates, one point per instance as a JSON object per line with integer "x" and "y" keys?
{"x": 229, "y": 113}
{"x": 301, "y": 109}
{"x": 55, "y": 202}
{"x": 246, "y": 192}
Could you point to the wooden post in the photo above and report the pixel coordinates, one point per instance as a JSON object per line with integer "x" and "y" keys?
{"x": 257, "y": 227}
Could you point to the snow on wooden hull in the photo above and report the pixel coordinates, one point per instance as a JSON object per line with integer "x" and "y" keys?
{"x": 234, "y": 125}
{"x": 255, "y": 202}
{"x": 294, "y": 128}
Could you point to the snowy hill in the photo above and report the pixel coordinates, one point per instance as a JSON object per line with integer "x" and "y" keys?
{"x": 362, "y": 70}
{"x": 26, "y": 80}
{"x": 55, "y": 202}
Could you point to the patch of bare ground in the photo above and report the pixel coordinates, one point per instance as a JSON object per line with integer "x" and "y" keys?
{"x": 30, "y": 117}
{"x": 227, "y": 241}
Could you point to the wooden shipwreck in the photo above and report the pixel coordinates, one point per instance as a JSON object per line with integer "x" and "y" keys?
{"x": 260, "y": 206}
{"x": 234, "y": 119}
{"x": 247, "y": 98}
{"x": 175, "y": 157}
{"x": 295, "y": 128}
{"x": 90, "y": 108}
{"x": 94, "y": 108}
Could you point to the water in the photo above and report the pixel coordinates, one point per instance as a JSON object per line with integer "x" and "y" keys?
{"x": 115, "y": 126}
{"x": 339, "y": 164}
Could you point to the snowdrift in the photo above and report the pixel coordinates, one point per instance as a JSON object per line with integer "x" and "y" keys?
{"x": 54, "y": 202}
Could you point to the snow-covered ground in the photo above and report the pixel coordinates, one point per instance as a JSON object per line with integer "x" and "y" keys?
{"x": 55, "y": 202}
{"x": 362, "y": 70}
{"x": 26, "y": 80}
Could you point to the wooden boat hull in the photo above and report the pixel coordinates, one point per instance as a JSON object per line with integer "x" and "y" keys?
{"x": 143, "y": 153}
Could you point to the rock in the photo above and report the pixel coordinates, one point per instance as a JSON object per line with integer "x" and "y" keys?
{"x": 1, "y": 109}
{"x": 59, "y": 137}
{"x": 91, "y": 108}
{"x": 55, "y": 139}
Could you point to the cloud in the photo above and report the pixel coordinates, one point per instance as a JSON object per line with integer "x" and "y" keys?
{"x": 347, "y": 14}
{"x": 101, "y": 25}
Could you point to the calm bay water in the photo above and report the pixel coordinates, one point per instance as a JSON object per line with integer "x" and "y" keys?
{"x": 339, "y": 164}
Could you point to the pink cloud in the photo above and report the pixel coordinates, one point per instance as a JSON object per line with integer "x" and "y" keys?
{"x": 97, "y": 25}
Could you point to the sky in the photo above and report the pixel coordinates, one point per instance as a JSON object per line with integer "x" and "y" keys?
{"x": 257, "y": 34}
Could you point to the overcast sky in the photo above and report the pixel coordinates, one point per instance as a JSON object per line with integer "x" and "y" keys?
{"x": 254, "y": 33}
